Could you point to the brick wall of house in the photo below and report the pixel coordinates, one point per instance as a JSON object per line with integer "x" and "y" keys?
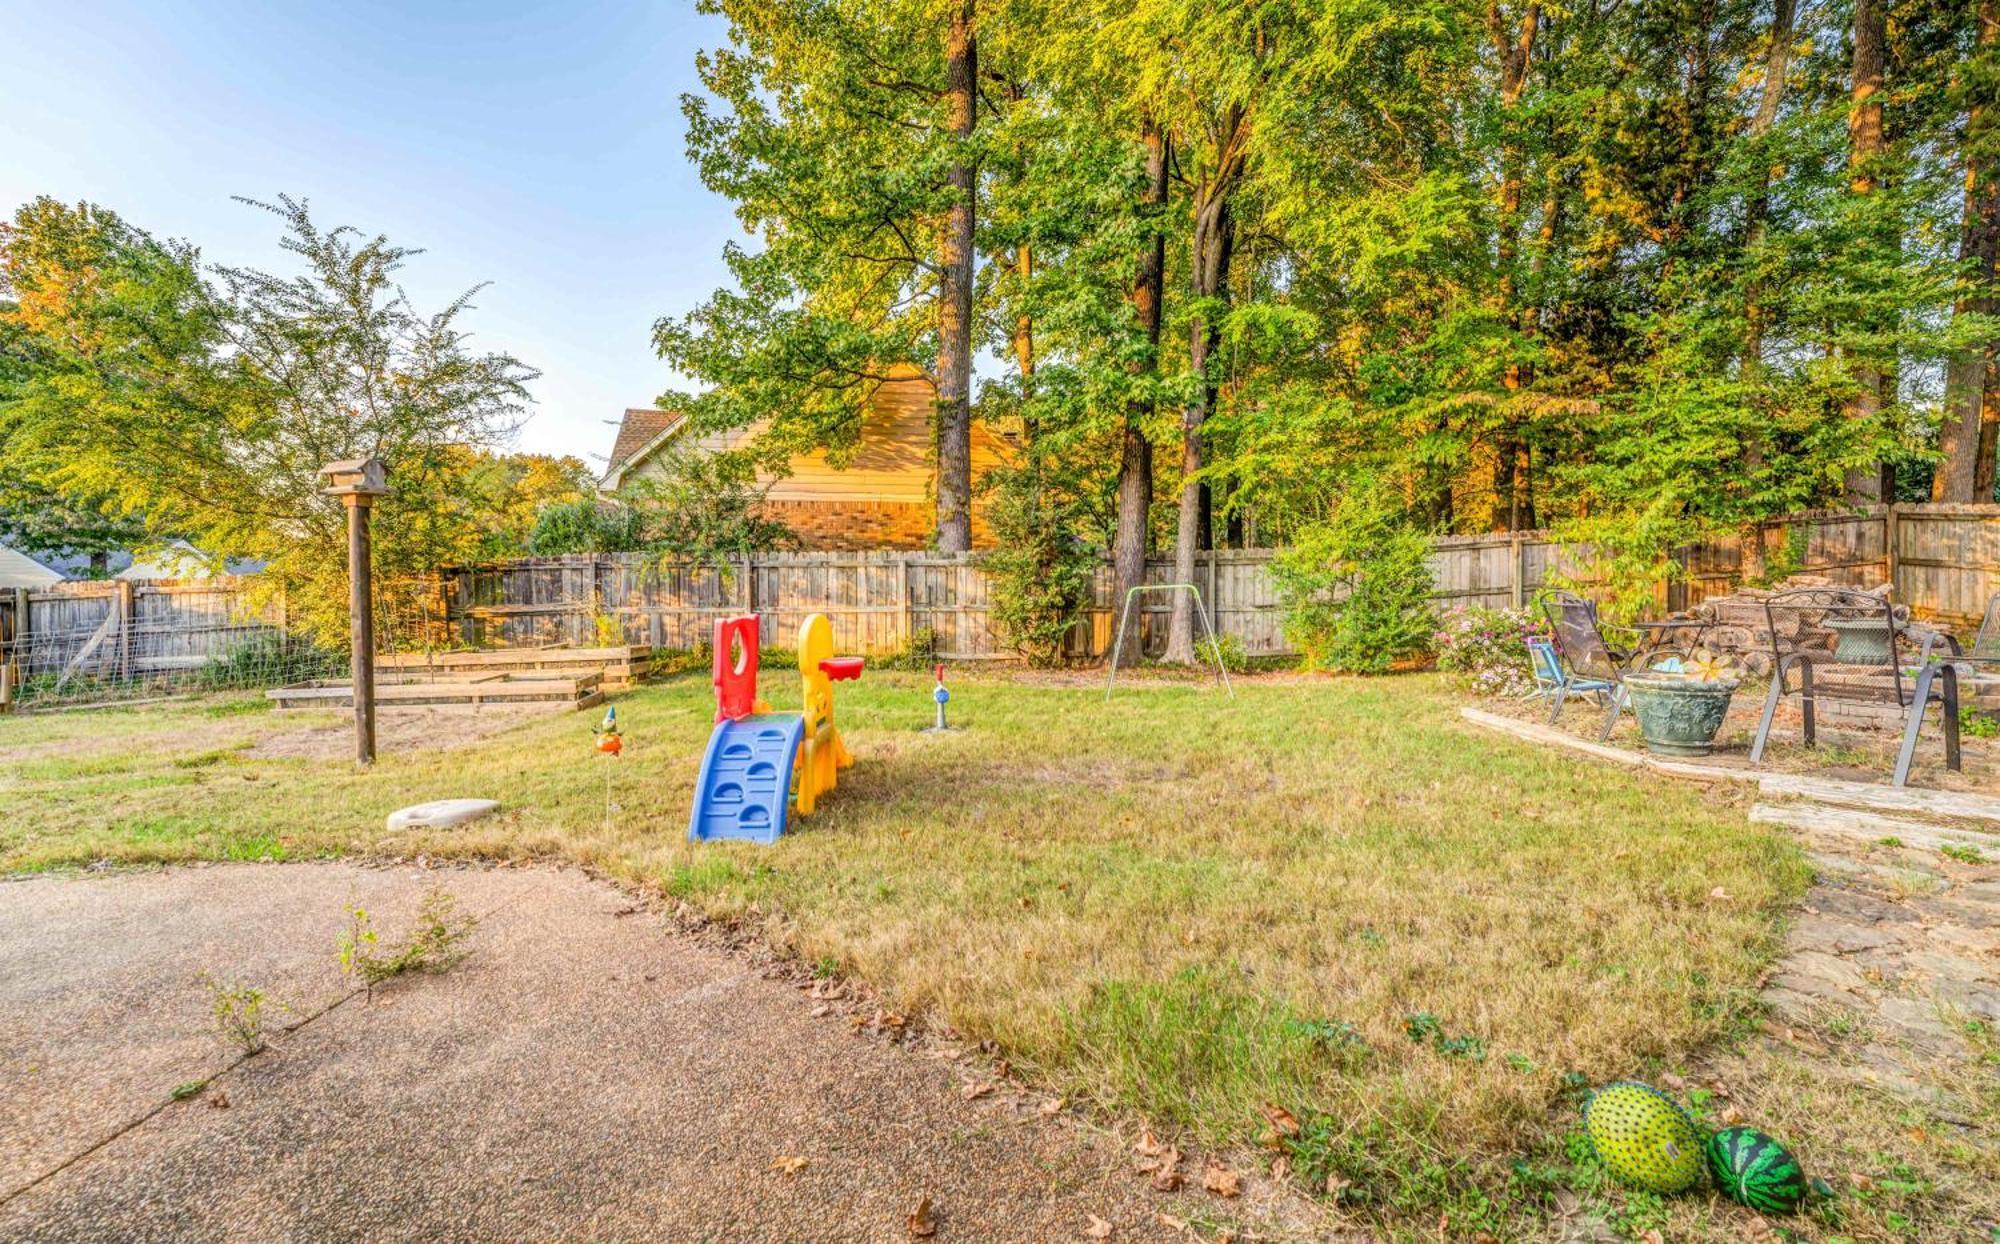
{"x": 846, "y": 525}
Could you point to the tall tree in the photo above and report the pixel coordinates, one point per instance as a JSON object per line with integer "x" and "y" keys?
{"x": 1135, "y": 457}
{"x": 1771, "y": 93}
{"x": 1972, "y": 389}
{"x": 956, "y": 262}
{"x": 1866, "y": 148}
{"x": 207, "y": 400}
{"x": 846, "y": 134}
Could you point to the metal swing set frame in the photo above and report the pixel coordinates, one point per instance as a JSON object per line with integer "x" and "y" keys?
{"x": 1125, "y": 616}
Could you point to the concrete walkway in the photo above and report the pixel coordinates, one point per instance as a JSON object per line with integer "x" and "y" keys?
{"x": 585, "y": 1073}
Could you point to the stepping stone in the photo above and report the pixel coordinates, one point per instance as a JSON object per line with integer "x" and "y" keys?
{"x": 441, "y": 813}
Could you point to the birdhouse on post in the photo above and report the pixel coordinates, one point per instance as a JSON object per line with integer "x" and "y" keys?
{"x": 357, "y": 482}
{"x": 364, "y": 478}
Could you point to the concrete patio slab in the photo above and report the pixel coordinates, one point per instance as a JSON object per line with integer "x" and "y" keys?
{"x": 585, "y": 1073}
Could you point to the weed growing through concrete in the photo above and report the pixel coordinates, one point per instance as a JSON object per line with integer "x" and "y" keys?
{"x": 436, "y": 944}
{"x": 239, "y": 1012}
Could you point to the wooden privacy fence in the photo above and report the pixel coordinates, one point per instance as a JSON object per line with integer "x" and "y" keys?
{"x": 876, "y": 601}
{"x": 76, "y": 636}
{"x": 1944, "y": 560}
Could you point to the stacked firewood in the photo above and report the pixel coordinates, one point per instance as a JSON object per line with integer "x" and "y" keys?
{"x": 1739, "y": 627}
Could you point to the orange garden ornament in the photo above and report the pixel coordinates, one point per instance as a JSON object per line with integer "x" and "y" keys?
{"x": 609, "y": 743}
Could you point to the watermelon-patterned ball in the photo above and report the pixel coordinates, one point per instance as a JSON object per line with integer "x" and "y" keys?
{"x": 1751, "y": 1167}
{"x": 1643, "y": 1137}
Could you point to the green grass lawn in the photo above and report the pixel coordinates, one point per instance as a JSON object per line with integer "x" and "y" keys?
{"x": 1322, "y": 894}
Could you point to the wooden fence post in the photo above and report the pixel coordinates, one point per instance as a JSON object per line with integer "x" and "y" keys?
{"x": 1517, "y": 573}
{"x": 123, "y": 604}
{"x": 24, "y": 625}
{"x": 1889, "y": 549}
{"x": 903, "y": 601}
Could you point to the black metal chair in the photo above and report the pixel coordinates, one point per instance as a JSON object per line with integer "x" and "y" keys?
{"x": 1580, "y": 639}
{"x": 1808, "y": 629}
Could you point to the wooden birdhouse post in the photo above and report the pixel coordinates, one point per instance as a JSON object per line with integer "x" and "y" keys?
{"x": 357, "y": 482}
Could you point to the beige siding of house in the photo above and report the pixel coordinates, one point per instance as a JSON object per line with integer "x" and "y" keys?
{"x": 886, "y": 485}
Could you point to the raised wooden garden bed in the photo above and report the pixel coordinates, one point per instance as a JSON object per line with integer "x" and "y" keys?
{"x": 618, "y": 668}
{"x": 467, "y": 690}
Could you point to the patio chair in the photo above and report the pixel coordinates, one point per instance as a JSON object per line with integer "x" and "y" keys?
{"x": 1593, "y": 663}
{"x": 1986, "y": 644}
{"x": 1556, "y": 684}
{"x": 1805, "y": 627}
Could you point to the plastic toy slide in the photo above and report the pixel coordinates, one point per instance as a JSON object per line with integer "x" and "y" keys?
{"x": 746, "y": 778}
{"x": 759, "y": 764}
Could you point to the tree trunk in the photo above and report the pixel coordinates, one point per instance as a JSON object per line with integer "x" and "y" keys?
{"x": 1515, "y": 46}
{"x": 954, "y": 298}
{"x": 1970, "y": 387}
{"x": 1135, "y": 461}
{"x": 1865, "y": 146}
{"x": 1214, "y": 238}
{"x": 1777, "y": 62}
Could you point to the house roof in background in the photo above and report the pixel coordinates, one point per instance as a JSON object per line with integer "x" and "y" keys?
{"x": 21, "y": 570}
{"x": 641, "y": 426}
{"x": 166, "y": 564}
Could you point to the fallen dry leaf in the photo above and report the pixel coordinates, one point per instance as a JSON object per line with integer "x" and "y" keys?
{"x": 1718, "y": 892}
{"x": 1053, "y": 1105}
{"x": 1147, "y": 1146}
{"x": 1654, "y": 1237}
{"x": 1281, "y": 1168}
{"x": 1167, "y": 1174}
{"x": 822, "y": 1011}
{"x": 975, "y": 1091}
{"x": 922, "y": 1221}
{"x": 789, "y": 1165}
{"x": 1335, "y": 1185}
{"x": 1172, "y": 1223}
{"x": 1283, "y": 1121}
{"x": 1677, "y": 1083}
{"x": 218, "y": 1100}
{"x": 1098, "y": 1229}
{"x": 1221, "y": 1180}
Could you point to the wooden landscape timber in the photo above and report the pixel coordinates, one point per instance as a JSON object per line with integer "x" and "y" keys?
{"x": 617, "y": 668}
{"x": 463, "y": 690}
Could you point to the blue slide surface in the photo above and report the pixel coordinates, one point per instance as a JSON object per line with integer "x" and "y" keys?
{"x": 745, "y": 786}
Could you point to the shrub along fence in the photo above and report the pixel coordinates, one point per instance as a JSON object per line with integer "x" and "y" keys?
{"x": 106, "y": 640}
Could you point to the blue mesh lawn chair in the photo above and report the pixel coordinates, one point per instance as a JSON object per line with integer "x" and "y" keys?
{"x": 1556, "y": 684}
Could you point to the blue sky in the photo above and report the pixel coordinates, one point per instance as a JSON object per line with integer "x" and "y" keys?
{"x": 535, "y": 146}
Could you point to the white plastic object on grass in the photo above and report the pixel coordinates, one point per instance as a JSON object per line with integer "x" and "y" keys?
{"x": 441, "y": 813}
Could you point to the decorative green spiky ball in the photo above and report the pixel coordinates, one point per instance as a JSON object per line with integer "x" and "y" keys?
{"x": 1643, "y": 1137}
{"x": 1752, "y": 1167}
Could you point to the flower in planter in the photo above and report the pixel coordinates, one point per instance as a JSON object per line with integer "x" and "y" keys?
{"x": 1706, "y": 666}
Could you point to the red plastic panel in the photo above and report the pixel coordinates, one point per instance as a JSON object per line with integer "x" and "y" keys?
{"x": 735, "y": 671}
{"x": 841, "y": 669}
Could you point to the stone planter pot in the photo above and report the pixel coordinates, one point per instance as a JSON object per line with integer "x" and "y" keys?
{"x": 1678, "y": 715}
{"x": 1863, "y": 641}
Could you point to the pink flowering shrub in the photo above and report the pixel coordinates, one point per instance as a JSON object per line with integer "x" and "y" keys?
{"x": 1488, "y": 649}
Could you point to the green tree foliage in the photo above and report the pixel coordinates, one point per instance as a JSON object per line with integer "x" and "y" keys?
{"x": 1636, "y": 272}
{"x": 703, "y": 507}
{"x": 1043, "y": 563}
{"x": 206, "y": 400}
{"x": 1355, "y": 588}
{"x": 585, "y": 525}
